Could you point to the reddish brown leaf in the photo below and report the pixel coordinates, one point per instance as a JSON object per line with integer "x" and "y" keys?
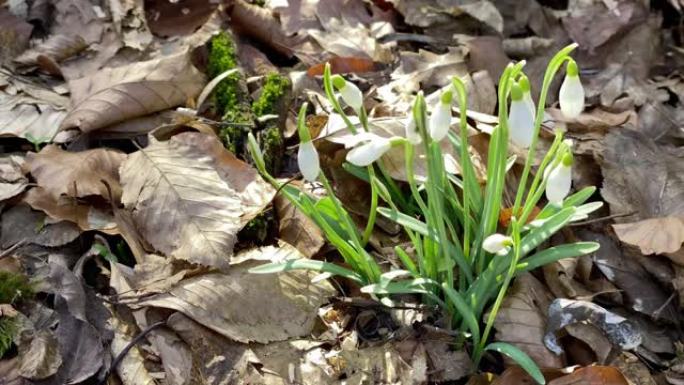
{"x": 344, "y": 65}
{"x": 592, "y": 375}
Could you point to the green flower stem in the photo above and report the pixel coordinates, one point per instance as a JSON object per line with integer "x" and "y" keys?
{"x": 502, "y": 292}
{"x": 554, "y": 65}
{"x": 530, "y": 202}
{"x": 372, "y": 214}
{"x": 466, "y": 166}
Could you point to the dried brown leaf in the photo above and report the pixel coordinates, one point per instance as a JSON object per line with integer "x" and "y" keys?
{"x": 592, "y": 375}
{"x": 29, "y": 121}
{"x": 189, "y": 197}
{"x": 56, "y": 47}
{"x": 167, "y": 18}
{"x": 77, "y": 174}
{"x": 653, "y": 236}
{"x": 128, "y": 18}
{"x": 259, "y": 23}
{"x": 113, "y": 95}
{"x": 521, "y": 321}
{"x": 12, "y": 178}
{"x": 21, "y": 224}
{"x": 248, "y": 307}
{"x": 131, "y": 369}
{"x": 39, "y": 355}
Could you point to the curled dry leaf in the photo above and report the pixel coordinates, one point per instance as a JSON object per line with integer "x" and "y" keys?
{"x": 295, "y": 228}
{"x": 259, "y": 24}
{"x": 39, "y": 354}
{"x": 168, "y": 18}
{"x": 189, "y": 197}
{"x": 592, "y": 375}
{"x": 653, "y": 236}
{"x": 77, "y": 174}
{"x": 131, "y": 369}
{"x": 113, "y": 95}
{"x": 12, "y": 178}
{"x": 56, "y": 47}
{"x": 564, "y": 312}
{"x": 521, "y": 321}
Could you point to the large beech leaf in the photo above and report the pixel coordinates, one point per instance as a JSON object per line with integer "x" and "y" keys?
{"x": 77, "y": 174}
{"x": 114, "y": 95}
{"x": 189, "y": 197}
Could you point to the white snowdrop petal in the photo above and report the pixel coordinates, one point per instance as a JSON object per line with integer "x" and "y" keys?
{"x": 369, "y": 152}
{"x": 571, "y": 97}
{"x": 307, "y": 160}
{"x": 495, "y": 243}
{"x": 527, "y": 99}
{"x": 558, "y": 183}
{"x": 451, "y": 166}
{"x": 521, "y": 124}
{"x": 440, "y": 120}
{"x": 351, "y": 94}
{"x": 412, "y": 134}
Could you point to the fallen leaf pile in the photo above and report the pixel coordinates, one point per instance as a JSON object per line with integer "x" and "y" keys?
{"x": 135, "y": 226}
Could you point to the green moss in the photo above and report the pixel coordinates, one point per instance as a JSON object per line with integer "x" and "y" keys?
{"x": 8, "y": 329}
{"x": 230, "y": 95}
{"x": 14, "y": 288}
{"x": 272, "y": 101}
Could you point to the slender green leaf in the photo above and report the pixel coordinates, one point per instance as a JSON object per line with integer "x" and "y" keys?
{"x": 555, "y": 253}
{"x": 465, "y": 311}
{"x": 406, "y": 221}
{"x": 582, "y": 212}
{"x": 520, "y": 357}
{"x": 306, "y": 264}
{"x": 417, "y": 285}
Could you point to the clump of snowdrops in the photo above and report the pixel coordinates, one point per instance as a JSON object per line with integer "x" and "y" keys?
{"x": 459, "y": 259}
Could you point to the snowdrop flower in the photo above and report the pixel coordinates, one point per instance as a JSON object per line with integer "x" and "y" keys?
{"x": 559, "y": 180}
{"x": 497, "y": 244}
{"x": 412, "y": 134}
{"x": 520, "y": 119}
{"x": 524, "y": 83}
{"x": 571, "y": 96}
{"x": 350, "y": 93}
{"x": 307, "y": 160}
{"x": 367, "y": 149}
{"x": 440, "y": 119}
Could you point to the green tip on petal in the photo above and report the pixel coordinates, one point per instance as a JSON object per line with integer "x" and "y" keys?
{"x": 567, "y": 159}
{"x": 339, "y": 82}
{"x": 571, "y": 69}
{"x": 516, "y": 92}
{"x": 524, "y": 83}
{"x": 446, "y": 97}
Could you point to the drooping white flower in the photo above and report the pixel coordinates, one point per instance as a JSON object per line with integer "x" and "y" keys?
{"x": 520, "y": 119}
{"x": 308, "y": 162}
{"x": 367, "y": 149}
{"x": 412, "y": 134}
{"x": 497, "y": 244}
{"x": 559, "y": 180}
{"x": 524, "y": 83}
{"x": 571, "y": 96}
{"x": 350, "y": 93}
{"x": 440, "y": 119}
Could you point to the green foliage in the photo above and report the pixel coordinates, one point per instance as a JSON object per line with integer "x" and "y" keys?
{"x": 275, "y": 88}
{"x": 8, "y": 329}
{"x": 447, "y": 220}
{"x": 271, "y": 101}
{"x": 230, "y": 97}
{"x": 14, "y": 287}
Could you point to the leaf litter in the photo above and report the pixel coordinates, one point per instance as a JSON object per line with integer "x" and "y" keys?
{"x": 122, "y": 225}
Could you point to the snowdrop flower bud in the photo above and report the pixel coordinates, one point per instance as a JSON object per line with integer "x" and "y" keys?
{"x": 571, "y": 97}
{"x": 412, "y": 133}
{"x": 559, "y": 180}
{"x": 497, "y": 244}
{"x": 520, "y": 119}
{"x": 440, "y": 119}
{"x": 524, "y": 83}
{"x": 307, "y": 160}
{"x": 350, "y": 93}
{"x": 367, "y": 149}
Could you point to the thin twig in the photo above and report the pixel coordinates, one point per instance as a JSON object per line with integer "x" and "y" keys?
{"x": 9, "y": 250}
{"x": 600, "y": 219}
{"x": 128, "y": 347}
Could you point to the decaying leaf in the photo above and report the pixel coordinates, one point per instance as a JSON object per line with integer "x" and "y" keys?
{"x": 630, "y": 159}
{"x": 21, "y": 224}
{"x": 447, "y": 364}
{"x": 521, "y": 320}
{"x": 563, "y": 312}
{"x": 189, "y": 197}
{"x": 12, "y": 178}
{"x": 166, "y": 18}
{"x": 39, "y": 354}
{"x": 594, "y": 375}
{"x": 258, "y": 23}
{"x": 131, "y": 369}
{"x": 56, "y": 47}
{"x": 29, "y": 121}
{"x": 226, "y": 303}
{"x": 113, "y": 95}
{"x": 653, "y": 236}
{"x": 129, "y": 21}
{"x": 77, "y": 174}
